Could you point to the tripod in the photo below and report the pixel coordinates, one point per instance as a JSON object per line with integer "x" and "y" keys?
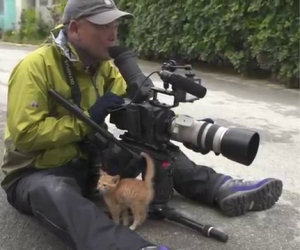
{"x": 163, "y": 187}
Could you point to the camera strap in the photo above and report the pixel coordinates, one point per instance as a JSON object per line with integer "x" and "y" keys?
{"x": 71, "y": 80}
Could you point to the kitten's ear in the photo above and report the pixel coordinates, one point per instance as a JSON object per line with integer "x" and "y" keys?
{"x": 116, "y": 179}
{"x": 102, "y": 172}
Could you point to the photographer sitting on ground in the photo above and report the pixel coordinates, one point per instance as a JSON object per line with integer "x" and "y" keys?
{"x": 46, "y": 170}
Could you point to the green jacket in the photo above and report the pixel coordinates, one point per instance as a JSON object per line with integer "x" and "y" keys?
{"x": 40, "y": 133}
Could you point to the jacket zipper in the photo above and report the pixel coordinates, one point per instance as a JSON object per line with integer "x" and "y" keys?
{"x": 94, "y": 82}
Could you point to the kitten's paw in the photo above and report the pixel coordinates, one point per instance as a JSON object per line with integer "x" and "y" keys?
{"x": 132, "y": 227}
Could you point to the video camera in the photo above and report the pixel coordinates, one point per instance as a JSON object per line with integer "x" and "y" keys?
{"x": 152, "y": 124}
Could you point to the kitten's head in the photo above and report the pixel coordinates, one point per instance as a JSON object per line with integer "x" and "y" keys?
{"x": 106, "y": 182}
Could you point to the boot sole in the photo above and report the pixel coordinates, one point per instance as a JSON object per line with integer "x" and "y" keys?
{"x": 261, "y": 198}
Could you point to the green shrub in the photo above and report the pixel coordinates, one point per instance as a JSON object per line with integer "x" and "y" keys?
{"x": 9, "y": 33}
{"x": 56, "y": 10}
{"x": 32, "y": 27}
{"x": 247, "y": 35}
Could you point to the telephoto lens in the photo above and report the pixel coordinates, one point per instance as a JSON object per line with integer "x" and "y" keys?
{"x": 239, "y": 145}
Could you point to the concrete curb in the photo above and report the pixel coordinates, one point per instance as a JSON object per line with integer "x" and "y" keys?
{"x": 19, "y": 44}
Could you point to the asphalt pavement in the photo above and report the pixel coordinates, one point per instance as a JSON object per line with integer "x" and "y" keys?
{"x": 270, "y": 109}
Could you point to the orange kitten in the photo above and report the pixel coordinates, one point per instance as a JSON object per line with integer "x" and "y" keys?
{"x": 128, "y": 193}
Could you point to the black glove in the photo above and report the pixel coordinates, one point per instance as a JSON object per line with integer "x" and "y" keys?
{"x": 100, "y": 109}
{"x": 199, "y": 149}
{"x": 118, "y": 161}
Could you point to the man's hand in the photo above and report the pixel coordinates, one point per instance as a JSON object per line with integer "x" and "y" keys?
{"x": 100, "y": 109}
{"x": 118, "y": 161}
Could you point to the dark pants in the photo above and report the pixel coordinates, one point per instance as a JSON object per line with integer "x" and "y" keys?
{"x": 55, "y": 198}
{"x": 196, "y": 182}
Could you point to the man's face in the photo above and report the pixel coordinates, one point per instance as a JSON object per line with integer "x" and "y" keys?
{"x": 96, "y": 39}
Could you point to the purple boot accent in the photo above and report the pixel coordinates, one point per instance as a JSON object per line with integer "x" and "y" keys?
{"x": 156, "y": 248}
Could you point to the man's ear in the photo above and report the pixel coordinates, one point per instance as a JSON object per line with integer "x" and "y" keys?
{"x": 73, "y": 30}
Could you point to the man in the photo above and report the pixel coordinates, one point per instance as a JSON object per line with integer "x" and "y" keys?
{"x": 47, "y": 170}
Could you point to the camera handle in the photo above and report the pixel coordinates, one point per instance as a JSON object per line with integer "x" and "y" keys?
{"x": 163, "y": 187}
{"x": 157, "y": 103}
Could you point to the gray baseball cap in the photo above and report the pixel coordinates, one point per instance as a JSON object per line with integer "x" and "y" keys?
{"x": 95, "y": 11}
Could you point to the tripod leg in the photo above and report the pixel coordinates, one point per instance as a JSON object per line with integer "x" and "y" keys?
{"x": 164, "y": 211}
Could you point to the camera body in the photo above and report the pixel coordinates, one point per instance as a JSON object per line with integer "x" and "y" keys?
{"x": 149, "y": 122}
{"x": 145, "y": 124}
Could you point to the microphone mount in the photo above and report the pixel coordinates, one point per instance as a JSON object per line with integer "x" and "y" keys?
{"x": 184, "y": 88}
{"x": 171, "y": 66}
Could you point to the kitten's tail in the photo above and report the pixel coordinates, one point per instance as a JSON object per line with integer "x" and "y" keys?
{"x": 150, "y": 171}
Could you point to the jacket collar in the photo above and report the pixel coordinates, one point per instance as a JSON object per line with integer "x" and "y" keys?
{"x": 59, "y": 38}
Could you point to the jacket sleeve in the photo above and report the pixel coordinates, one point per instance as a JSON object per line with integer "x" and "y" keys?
{"x": 29, "y": 121}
